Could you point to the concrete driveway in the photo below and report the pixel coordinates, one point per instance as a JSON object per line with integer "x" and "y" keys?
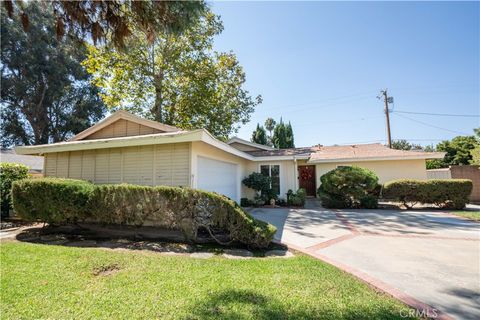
{"x": 424, "y": 258}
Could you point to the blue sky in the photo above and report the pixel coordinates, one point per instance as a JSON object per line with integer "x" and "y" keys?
{"x": 320, "y": 65}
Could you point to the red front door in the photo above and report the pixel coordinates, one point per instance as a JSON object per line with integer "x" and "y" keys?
{"x": 306, "y": 178}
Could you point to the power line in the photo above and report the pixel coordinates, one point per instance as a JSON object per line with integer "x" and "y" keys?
{"x": 431, "y": 125}
{"x": 439, "y": 114}
{"x": 316, "y": 123}
{"x": 348, "y": 97}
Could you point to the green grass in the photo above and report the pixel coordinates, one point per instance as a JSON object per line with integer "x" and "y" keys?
{"x": 472, "y": 215}
{"x": 56, "y": 282}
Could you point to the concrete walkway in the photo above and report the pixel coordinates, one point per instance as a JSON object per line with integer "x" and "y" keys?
{"x": 428, "y": 259}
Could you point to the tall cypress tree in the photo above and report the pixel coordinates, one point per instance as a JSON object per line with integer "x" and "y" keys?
{"x": 289, "y": 133}
{"x": 283, "y": 136}
{"x": 259, "y": 135}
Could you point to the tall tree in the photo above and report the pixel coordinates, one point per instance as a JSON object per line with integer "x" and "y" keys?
{"x": 457, "y": 150}
{"x": 289, "y": 136}
{"x": 279, "y": 137}
{"x": 403, "y": 144}
{"x": 46, "y": 95}
{"x": 283, "y": 135}
{"x": 259, "y": 135}
{"x": 270, "y": 125}
{"x": 177, "y": 80}
{"x": 112, "y": 20}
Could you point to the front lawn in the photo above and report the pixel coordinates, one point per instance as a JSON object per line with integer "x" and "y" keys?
{"x": 472, "y": 215}
{"x": 57, "y": 282}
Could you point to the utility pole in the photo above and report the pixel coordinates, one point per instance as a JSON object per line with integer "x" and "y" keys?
{"x": 387, "y": 100}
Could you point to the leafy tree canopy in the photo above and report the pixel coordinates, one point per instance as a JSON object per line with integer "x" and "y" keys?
{"x": 176, "y": 79}
{"x": 461, "y": 150}
{"x": 112, "y": 20}
{"x": 45, "y": 94}
{"x": 259, "y": 135}
{"x": 458, "y": 150}
{"x": 405, "y": 145}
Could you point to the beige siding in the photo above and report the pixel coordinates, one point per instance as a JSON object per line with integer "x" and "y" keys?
{"x": 144, "y": 165}
{"x": 51, "y": 165}
{"x": 62, "y": 164}
{"x": 101, "y": 166}
{"x": 172, "y": 164}
{"x": 88, "y": 165}
{"x": 75, "y": 167}
{"x": 122, "y": 128}
{"x": 115, "y": 166}
{"x": 181, "y": 165}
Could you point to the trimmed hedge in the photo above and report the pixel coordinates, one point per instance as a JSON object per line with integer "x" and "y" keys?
{"x": 446, "y": 193}
{"x": 9, "y": 172}
{"x": 52, "y": 200}
{"x": 61, "y": 201}
{"x": 349, "y": 186}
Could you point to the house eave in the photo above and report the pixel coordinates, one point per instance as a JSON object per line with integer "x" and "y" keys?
{"x": 248, "y": 143}
{"x": 437, "y": 155}
{"x": 159, "y": 138}
{"x": 280, "y": 158}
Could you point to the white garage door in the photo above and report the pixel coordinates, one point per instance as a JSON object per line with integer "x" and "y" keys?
{"x": 218, "y": 176}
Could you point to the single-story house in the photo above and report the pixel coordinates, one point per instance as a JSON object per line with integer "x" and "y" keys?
{"x": 34, "y": 163}
{"x": 124, "y": 148}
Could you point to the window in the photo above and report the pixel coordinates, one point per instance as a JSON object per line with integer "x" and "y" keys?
{"x": 272, "y": 171}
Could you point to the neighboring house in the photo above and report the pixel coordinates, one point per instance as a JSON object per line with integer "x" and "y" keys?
{"x": 34, "y": 163}
{"x": 124, "y": 148}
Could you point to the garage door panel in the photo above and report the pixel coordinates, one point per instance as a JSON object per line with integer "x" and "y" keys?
{"x": 217, "y": 176}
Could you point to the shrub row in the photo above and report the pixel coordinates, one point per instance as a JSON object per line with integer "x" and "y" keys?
{"x": 9, "y": 172}
{"x": 60, "y": 201}
{"x": 446, "y": 193}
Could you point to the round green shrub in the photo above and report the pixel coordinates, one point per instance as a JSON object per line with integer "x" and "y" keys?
{"x": 345, "y": 186}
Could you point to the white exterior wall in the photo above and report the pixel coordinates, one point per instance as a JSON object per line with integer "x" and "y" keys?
{"x": 288, "y": 176}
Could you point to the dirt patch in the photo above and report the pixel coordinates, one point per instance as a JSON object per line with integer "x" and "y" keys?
{"x": 106, "y": 270}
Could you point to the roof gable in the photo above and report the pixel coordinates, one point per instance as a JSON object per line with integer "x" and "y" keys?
{"x": 122, "y": 124}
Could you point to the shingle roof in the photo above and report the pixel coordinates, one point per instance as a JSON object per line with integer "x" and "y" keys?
{"x": 349, "y": 152}
{"x": 367, "y": 151}
{"x": 284, "y": 152}
{"x": 35, "y": 163}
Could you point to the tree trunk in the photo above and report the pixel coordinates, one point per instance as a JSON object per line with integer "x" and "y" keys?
{"x": 157, "y": 108}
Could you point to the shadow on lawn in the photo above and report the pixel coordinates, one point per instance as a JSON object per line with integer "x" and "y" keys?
{"x": 233, "y": 303}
